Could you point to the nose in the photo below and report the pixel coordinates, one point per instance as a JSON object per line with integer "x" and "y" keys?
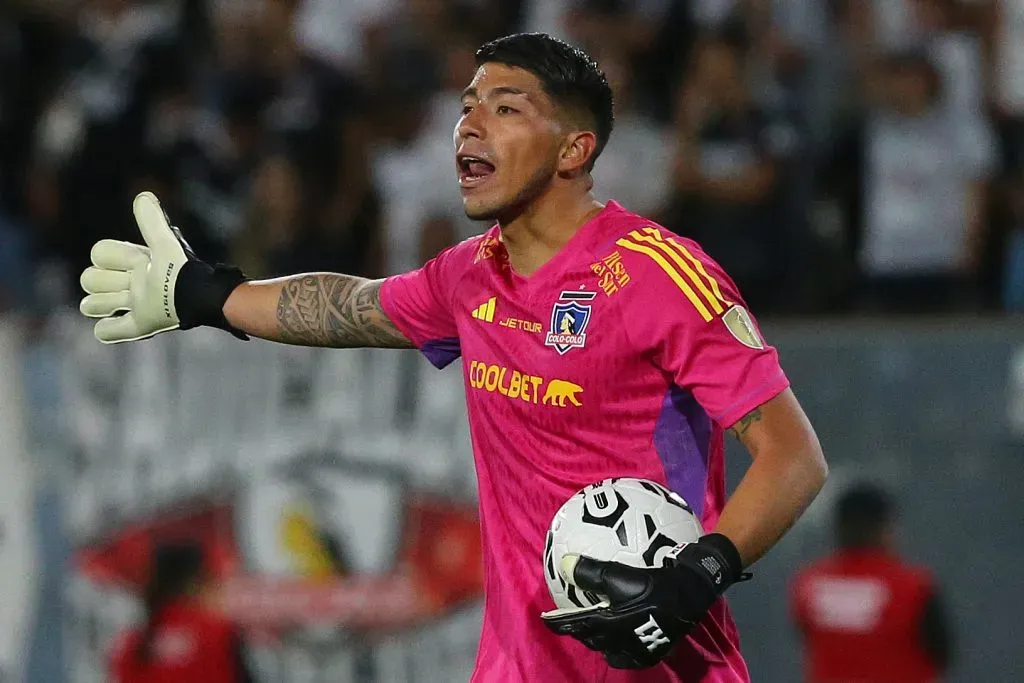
{"x": 471, "y": 125}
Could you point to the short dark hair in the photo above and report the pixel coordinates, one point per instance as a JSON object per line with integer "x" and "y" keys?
{"x": 568, "y": 75}
{"x": 174, "y": 566}
{"x": 862, "y": 514}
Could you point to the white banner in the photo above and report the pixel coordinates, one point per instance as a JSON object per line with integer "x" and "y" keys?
{"x": 327, "y": 484}
{"x": 18, "y": 570}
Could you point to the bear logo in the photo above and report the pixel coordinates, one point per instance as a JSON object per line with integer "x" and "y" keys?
{"x": 559, "y": 391}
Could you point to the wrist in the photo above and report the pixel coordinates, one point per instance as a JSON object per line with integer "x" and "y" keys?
{"x": 200, "y": 292}
{"x": 732, "y": 569}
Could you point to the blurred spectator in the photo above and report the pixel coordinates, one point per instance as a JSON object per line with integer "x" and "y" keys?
{"x": 651, "y": 39}
{"x": 293, "y": 135}
{"x": 209, "y": 168}
{"x": 1005, "y": 79}
{"x": 638, "y": 142}
{"x": 414, "y": 160}
{"x": 122, "y": 57}
{"x": 876, "y": 27}
{"x": 716, "y": 15}
{"x": 336, "y": 31}
{"x": 790, "y": 59}
{"x": 614, "y": 24}
{"x": 1006, "y": 76}
{"x": 727, "y": 190}
{"x": 914, "y": 187}
{"x": 547, "y": 16}
{"x": 947, "y": 30}
{"x": 414, "y": 26}
{"x": 206, "y": 141}
{"x": 316, "y": 120}
{"x": 273, "y": 220}
{"x": 864, "y": 614}
{"x": 265, "y": 165}
{"x": 956, "y": 49}
{"x": 181, "y": 639}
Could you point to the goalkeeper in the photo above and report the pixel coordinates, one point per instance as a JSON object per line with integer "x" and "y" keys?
{"x": 595, "y": 344}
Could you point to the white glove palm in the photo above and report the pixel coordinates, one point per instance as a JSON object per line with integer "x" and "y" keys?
{"x": 134, "y": 279}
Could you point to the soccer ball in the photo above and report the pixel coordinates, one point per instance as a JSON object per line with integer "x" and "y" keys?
{"x": 633, "y": 521}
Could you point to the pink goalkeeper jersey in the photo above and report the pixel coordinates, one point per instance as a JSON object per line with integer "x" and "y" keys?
{"x": 624, "y": 356}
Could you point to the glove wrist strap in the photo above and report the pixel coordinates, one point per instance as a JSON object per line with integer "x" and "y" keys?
{"x": 726, "y": 549}
{"x": 200, "y": 293}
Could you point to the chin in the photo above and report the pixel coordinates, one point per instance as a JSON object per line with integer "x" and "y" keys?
{"x": 481, "y": 211}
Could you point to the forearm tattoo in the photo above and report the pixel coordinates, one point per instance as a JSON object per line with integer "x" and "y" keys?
{"x": 339, "y": 311}
{"x": 741, "y": 427}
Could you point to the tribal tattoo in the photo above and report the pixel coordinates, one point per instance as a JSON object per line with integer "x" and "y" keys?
{"x": 339, "y": 311}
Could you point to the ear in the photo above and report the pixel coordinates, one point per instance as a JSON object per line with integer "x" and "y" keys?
{"x": 577, "y": 151}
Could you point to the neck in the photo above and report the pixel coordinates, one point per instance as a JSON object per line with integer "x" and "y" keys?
{"x": 867, "y": 549}
{"x": 540, "y": 231}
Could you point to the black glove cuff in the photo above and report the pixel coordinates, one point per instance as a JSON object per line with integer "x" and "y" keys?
{"x": 733, "y": 570}
{"x": 200, "y": 292}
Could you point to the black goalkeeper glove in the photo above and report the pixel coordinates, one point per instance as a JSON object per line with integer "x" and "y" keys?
{"x": 647, "y": 610}
{"x": 139, "y": 291}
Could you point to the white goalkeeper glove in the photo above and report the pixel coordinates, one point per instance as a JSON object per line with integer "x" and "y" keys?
{"x": 140, "y": 291}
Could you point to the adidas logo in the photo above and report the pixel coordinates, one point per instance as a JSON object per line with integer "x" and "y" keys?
{"x": 485, "y": 311}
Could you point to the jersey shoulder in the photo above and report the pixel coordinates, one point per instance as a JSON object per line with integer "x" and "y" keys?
{"x": 667, "y": 268}
{"x": 457, "y": 259}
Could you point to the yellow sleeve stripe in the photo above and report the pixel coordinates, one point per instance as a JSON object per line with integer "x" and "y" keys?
{"x": 712, "y": 282}
{"x": 672, "y": 272}
{"x": 681, "y": 264}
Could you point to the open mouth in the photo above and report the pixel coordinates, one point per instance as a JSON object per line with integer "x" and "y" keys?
{"x": 473, "y": 171}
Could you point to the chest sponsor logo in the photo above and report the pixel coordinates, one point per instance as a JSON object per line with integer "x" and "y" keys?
{"x": 569, "y": 320}
{"x": 611, "y": 273}
{"x": 530, "y": 326}
{"x": 525, "y": 387}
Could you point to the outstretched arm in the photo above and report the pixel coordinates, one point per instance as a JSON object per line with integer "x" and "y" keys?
{"x": 138, "y": 291}
{"x": 315, "y": 309}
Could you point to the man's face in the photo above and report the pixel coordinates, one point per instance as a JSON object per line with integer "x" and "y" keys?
{"x": 507, "y": 141}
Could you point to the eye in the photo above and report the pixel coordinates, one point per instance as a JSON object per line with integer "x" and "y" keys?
{"x": 505, "y": 109}
{"x": 466, "y": 108}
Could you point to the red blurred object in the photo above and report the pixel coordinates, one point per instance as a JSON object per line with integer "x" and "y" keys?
{"x": 124, "y": 558}
{"x": 440, "y": 567}
{"x": 860, "y": 612}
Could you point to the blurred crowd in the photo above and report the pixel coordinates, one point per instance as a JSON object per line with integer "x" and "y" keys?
{"x": 833, "y": 155}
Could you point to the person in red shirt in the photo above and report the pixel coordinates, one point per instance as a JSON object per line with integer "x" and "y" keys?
{"x": 865, "y": 615}
{"x": 181, "y": 639}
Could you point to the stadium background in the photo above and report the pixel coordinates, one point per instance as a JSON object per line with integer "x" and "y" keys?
{"x": 335, "y": 489}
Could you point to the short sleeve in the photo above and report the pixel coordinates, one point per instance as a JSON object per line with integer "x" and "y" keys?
{"x": 696, "y": 327}
{"x": 419, "y": 303}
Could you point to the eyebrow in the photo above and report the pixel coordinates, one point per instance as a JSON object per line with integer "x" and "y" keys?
{"x": 497, "y": 90}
